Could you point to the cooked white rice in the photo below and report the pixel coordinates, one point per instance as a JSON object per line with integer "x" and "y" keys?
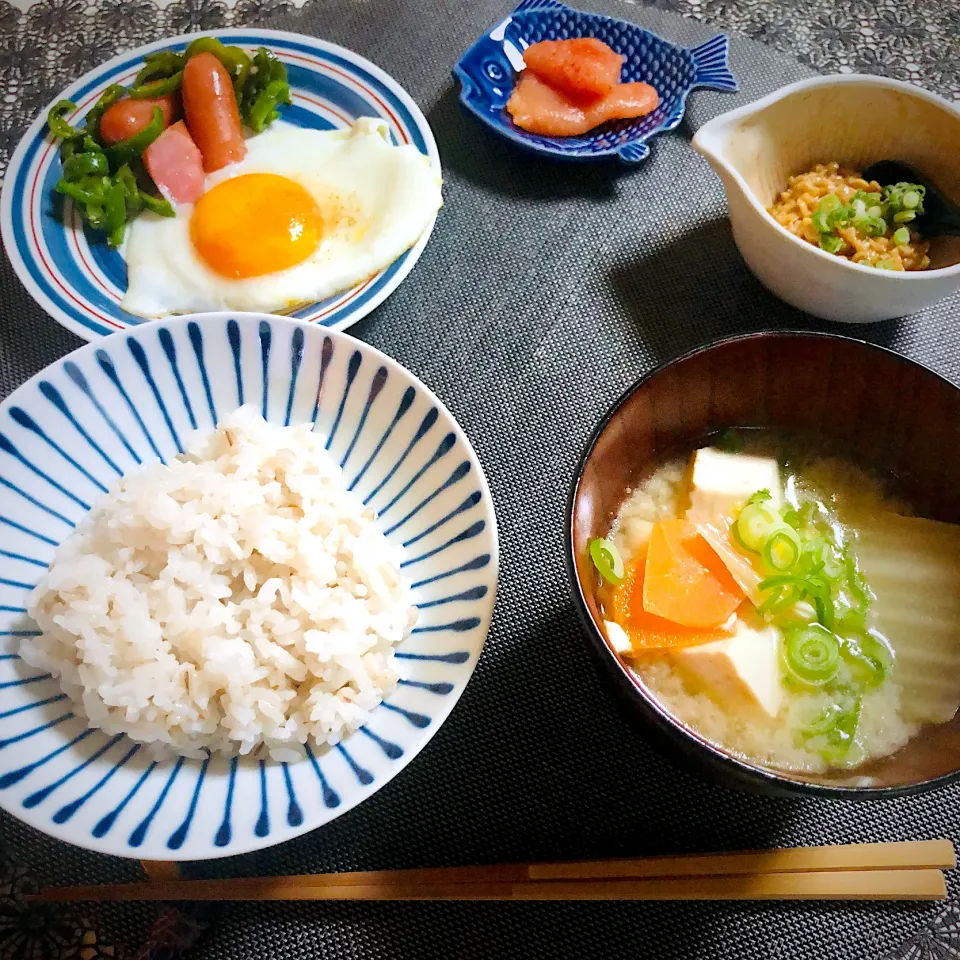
{"x": 238, "y": 596}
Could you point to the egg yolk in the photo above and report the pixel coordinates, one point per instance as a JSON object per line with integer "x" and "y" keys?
{"x": 255, "y": 224}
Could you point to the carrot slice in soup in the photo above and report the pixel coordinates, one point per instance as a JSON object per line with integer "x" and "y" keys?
{"x": 646, "y": 630}
{"x": 684, "y": 580}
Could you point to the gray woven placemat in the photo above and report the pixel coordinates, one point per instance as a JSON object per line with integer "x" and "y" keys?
{"x": 545, "y": 291}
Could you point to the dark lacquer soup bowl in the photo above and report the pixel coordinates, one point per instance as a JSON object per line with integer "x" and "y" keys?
{"x": 884, "y": 412}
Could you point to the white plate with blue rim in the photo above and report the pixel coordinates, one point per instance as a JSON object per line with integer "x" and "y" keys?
{"x": 68, "y": 433}
{"x": 80, "y": 281}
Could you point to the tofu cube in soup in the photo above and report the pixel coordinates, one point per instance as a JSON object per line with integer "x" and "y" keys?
{"x": 720, "y": 482}
{"x": 742, "y": 671}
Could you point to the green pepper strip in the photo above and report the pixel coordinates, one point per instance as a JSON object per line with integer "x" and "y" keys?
{"x": 157, "y": 88}
{"x": 88, "y": 190}
{"x": 156, "y": 204}
{"x": 263, "y": 108}
{"x": 131, "y": 193}
{"x": 232, "y": 58}
{"x": 56, "y": 122}
{"x": 83, "y": 165}
{"x": 126, "y": 150}
{"x": 240, "y": 83}
{"x": 163, "y": 63}
{"x": 90, "y": 196}
{"x": 265, "y": 89}
{"x": 116, "y": 214}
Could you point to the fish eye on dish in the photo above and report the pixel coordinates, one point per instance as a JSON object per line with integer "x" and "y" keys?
{"x": 783, "y": 603}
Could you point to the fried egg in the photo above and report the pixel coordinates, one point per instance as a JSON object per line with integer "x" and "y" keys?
{"x": 305, "y": 215}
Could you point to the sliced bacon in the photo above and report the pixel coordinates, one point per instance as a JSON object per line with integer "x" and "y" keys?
{"x": 174, "y": 162}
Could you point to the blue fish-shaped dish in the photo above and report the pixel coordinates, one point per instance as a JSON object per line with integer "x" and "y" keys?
{"x": 487, "y": 70}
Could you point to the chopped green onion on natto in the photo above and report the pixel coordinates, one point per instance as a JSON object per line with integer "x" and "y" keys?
{"x": 871, "y": 214}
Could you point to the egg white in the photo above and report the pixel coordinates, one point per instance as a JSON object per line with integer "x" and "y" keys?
{"x": 376, "y": 199}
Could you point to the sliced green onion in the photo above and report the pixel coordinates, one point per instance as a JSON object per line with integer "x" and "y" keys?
{"x": 835, "y": 745}
{"x": 831, "y": 243}
{"x": 876, "y": 645}
{"x": 832, "y": 567}
{"x": 56, "y": 122}
{"x": 812, "y": 586}
{"x": 825, "y": 722}
{"x": 865, "y": 669}
{"x": 782, "y": 549}
{"x": 829, "y": 211}
{"x": 780, "y": 598}
{"x": 885, "y": 264}
{"x": 911, "y": 199}
{"x": 753, "y": 525}
{"x": 792, "y": 518}
{"x": 869, "y": 658}
{"x": 606, "y": 558}
{"x": 851, "y": 623}
{"x": 819, "y": 593}
{"x": 812, "y": 554}
{"x": 126, "y": 150}
{"x": 905, "y": 216}
{"x": 811, "y": 655}
{"x": 901, "y": 236}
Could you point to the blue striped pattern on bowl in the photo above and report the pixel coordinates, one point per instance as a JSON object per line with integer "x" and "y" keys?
{"x": 71, "y": 431}
{"x": 80, "y": 281}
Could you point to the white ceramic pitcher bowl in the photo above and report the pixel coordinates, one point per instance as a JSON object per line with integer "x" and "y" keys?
{"x": 855, "y": 120}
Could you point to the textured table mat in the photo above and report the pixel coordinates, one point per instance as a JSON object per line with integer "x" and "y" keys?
{"x": 545, "y": 291}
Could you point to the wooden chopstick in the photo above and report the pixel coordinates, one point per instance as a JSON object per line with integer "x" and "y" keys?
{"x": 906, "y": 870}
{"x": 905, "y": 855}
{"x": 833, "y": 885}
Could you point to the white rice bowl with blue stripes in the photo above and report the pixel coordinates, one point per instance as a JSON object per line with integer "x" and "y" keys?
{"x": 239, "y": 599}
